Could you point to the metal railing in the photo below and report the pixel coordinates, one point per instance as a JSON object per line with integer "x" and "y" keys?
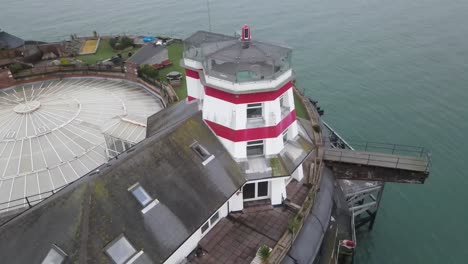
{"x": 397, "y": 162}
{"x": 400, "y": 153}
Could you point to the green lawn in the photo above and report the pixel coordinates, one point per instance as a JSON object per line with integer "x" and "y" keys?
{"x": 300, "y": 108}
{"x": 105, "y": 51}
{"x": 175, "y": 55}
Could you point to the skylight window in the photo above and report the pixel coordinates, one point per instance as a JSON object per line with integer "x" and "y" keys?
{"x": 140, "y": 194}
{"x": 120, "y": 250}
{"x": 55, "y": 256}
{"x": 201, "y": 152}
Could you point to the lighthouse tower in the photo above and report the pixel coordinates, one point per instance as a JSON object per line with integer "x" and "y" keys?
{"x": 245, "y": 91}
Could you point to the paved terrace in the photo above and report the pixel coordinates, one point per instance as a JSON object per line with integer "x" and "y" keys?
{"x": 237, "y": 238}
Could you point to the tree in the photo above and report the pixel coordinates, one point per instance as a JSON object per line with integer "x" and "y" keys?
{"x": 149, "y": 71}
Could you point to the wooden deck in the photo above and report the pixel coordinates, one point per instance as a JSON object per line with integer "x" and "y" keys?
{"x": 417, "y": 164}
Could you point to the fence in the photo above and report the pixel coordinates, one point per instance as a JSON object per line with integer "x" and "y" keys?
{"x": 82, "y": 68}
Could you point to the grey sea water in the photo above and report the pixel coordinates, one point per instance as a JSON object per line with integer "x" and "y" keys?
{"x": 391, "y": 71}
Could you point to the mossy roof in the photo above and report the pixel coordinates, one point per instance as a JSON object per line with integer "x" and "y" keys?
{"x": 84, "y": 217}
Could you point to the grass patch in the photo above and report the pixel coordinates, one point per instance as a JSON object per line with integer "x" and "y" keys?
{"x": 300, "y": 108}
{"x": 105, "y": 51}
{"x": 175, "y": 55}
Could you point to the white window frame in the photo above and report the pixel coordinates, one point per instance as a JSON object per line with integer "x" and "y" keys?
{"x": 256, "y": 191}
{"x": 285, "y": 135}
{"x": 254, "y": 106}
{"x": 52, "y": 255}
{"x": 252, "y": 144}
{"x": 210, "y": 223}
{"x": 148, "y": 197}
{"x": 131, "y": 258}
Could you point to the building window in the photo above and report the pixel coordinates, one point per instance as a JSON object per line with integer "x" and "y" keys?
{"x": 249, "y": 191}
{"x": 200, "y": 151}
{"x": 256, "y": 190}
{"x": 262, "y": 189}
{"x": 55, "y": 256}
{"x": 140, "y": 194}
{"x": 214, "y": 218}
{"x": 285, "y": 136}
{"x": 205, "y": 227}
{"x": 283, "y": 101}
{"x": 210, "y": 223}
{"x": 255, "y": 148}
{"x": 120, "y": 250}
{"x": 254, "y": 110}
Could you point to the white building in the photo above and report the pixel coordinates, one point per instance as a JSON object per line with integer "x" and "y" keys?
{"x": 245, "y": 91}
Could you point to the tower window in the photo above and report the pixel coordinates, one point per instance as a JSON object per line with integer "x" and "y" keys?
{"x": 255, "y": 148}
{"x": 254, "y": 110}
{"x": 285, "y": 136}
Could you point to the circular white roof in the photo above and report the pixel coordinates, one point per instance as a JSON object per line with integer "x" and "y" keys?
{"x": 51, "y": 132}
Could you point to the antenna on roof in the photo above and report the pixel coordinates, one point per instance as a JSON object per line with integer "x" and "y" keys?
{"x": 209, "y": 14}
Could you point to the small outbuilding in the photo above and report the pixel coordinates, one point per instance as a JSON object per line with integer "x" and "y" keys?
{"x": 8, "y": 41}
{"x": 151, "y": 54}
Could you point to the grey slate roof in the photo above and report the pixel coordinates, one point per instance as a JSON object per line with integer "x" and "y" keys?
{"x": 84, "y": 217}
{"x": 8, "y": 41}
{"x": 150, "y": 54}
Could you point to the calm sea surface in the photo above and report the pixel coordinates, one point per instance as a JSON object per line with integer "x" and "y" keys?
{"x": 391, "y": 71}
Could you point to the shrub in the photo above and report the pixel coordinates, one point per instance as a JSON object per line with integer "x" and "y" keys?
{"x": 264, "y": 253}
{"x": 121, "y": 43}
{"x": 15, "y": 68}
{"x": 149, "y": 71}
{"x": 316, "y": 128}
{"x": 293, "y": 225}
{"x": 113, "y": 41}
{"x": 64, "y": 61}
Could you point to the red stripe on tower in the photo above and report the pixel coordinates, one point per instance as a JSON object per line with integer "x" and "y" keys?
{"x": 252, "y": 133}
{"x": 192, "y": 74}
{"x": 247, "y": 98}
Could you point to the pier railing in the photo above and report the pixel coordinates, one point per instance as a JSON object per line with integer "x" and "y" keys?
{"x": 376, "y": 151}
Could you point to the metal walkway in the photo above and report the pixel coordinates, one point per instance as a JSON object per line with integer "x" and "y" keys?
{"x": 380, "y": 162}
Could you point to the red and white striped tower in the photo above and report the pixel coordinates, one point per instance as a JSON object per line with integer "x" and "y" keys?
{"x": 245, "y": 88}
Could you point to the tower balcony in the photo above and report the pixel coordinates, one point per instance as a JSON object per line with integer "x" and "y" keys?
{"x": 232, "y": 86}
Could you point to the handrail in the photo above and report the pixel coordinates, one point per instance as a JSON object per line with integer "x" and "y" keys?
{"x": 367, "y": 159}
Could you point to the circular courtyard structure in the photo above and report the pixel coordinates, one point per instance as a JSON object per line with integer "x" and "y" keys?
{"x": 51, "y": 132}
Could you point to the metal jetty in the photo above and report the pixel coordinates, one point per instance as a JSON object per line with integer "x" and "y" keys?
{"x": 361, "y": 170}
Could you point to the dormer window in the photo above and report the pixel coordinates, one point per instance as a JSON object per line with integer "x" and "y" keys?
{"x": 143, "y": 197}
{"x": 55, "y": 256}
{"x": 202, "y": 153}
